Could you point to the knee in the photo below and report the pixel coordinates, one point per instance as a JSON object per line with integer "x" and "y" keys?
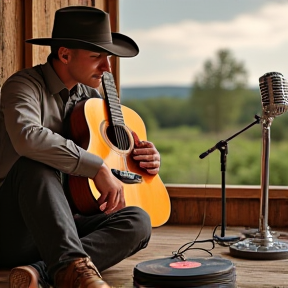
{"x": 141, "y": 225}
{"x": 33, "y": 167}
{"x": 26, "y": 168}
{"x": 29, "y": 177}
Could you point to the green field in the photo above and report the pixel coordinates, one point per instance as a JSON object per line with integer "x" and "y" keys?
{"x": 180, "y": 163}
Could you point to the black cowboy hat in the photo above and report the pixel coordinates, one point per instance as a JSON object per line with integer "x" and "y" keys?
{"x": 88, "y": 28}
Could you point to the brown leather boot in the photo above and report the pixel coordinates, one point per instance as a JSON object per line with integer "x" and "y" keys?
{"x": 80, "y": 273}
{"x": 25, "y": 277}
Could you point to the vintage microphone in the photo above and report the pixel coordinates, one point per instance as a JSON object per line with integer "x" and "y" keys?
{"x": 274, "y": 97}
{"x": 274, "y": 94}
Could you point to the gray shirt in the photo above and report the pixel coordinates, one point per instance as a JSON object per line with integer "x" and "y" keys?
{"x": 31, "y": 123}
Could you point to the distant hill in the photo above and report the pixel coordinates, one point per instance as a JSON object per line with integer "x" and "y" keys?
{"x": 139, "y": 92}
{"x": 154, "y": 91}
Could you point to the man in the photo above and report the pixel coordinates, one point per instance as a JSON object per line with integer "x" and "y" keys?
{"x": 39, "y": 234}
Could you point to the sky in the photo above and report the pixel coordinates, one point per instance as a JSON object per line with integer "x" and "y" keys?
{"x": 176, "y": 37}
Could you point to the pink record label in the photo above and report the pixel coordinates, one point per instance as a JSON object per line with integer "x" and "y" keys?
{"x": 185, "y": 265}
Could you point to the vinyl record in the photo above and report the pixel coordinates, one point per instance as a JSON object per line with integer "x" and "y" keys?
{"x": 197, "y": 272}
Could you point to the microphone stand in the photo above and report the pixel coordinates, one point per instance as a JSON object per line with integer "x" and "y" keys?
{"x": 222, "y": 146}
{"x": 262, "y": 246}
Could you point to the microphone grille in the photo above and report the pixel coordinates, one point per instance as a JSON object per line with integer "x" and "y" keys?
{"x": 274, "y": 93}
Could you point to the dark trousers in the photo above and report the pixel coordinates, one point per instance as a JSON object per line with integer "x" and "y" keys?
{"x": 36, "y": 224}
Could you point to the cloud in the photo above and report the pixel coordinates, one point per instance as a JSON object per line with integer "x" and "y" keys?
{"x": 173, "y": 54}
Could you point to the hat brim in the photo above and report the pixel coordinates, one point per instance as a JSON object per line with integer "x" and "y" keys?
{"x": 122, "y": 45}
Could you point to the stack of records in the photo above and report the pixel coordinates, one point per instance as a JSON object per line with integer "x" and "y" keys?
{"x": 197, "y": 272}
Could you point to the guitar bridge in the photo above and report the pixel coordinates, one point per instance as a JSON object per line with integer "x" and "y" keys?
{"x": 127, "y": 177}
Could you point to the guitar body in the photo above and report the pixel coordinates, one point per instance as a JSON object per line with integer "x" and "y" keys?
{"x": 89, "y": 123}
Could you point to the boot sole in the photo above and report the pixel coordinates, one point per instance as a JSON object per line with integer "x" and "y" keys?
{"x": 23, "y": 278}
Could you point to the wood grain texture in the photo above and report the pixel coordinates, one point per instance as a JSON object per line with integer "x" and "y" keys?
{"x": 12, "y": 36}
{"x": 191, "y": 203}
{"x": 169, "y": 238}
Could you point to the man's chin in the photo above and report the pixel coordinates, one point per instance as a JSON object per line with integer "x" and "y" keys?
{"x": 93, "y": 84}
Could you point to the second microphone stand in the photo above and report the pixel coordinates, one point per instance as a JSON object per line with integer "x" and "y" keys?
{"x": 222, "y": 146}
{"x": 262, "y": 246}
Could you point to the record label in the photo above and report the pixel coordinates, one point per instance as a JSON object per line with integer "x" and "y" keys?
{"x": 185, "y": 265}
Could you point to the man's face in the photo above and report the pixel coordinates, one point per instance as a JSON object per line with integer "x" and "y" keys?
{"x": 87, "y": 67}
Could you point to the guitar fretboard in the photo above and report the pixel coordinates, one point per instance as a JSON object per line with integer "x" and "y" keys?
{"x": 112, "y": 99}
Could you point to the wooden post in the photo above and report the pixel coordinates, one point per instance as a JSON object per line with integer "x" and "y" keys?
{"x": 28, "y": 33}
{"x": 112, "y": 7}
{"x": 11, "y": 38}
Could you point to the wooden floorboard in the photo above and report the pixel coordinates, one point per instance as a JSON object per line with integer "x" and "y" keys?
{"x": 169, "y": 238}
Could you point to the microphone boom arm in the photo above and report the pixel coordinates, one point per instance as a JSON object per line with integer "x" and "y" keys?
{"x": 220, "y": 143}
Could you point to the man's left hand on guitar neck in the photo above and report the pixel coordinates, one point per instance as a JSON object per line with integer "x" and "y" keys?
{"x": 146, "y": 154}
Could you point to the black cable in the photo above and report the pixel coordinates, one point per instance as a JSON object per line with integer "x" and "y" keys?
{"x": 214, "y": 240}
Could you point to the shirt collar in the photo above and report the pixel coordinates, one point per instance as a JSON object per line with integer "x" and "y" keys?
{"x": 53, "y": 82}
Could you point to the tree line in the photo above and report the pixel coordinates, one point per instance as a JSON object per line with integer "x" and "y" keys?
{"x": 219, "y": 105}
{"x": 220, "y": 99}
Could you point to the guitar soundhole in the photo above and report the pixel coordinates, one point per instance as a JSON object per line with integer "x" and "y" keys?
{"x": 118, "y": 137}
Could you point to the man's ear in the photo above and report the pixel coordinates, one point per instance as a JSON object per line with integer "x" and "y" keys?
{"x": 63, "y": 53}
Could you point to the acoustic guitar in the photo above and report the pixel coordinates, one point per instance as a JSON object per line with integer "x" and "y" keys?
{"x": 98, "y": 126}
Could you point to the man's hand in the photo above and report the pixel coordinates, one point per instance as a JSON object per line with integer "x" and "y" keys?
{"x": 146, "y": 153}
{"x": 111, "y": 190}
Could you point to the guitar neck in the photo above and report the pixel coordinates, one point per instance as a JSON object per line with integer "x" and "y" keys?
{"x": 112, "y": 99}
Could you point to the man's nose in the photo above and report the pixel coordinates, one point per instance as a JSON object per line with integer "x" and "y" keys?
{"x": 106, "y": 65}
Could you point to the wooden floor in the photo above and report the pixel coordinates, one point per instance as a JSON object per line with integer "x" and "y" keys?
{"x": 169, "y": 238}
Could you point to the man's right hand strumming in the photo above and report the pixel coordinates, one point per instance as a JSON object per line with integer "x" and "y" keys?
{"x": 111, "y": 190}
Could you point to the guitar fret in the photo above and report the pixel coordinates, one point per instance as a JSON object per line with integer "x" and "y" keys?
{"x": 116, "y": 112}
{"x": 118, "y": 119}
{"x": 115, "y": 104}
{"x": 113, "y": 100}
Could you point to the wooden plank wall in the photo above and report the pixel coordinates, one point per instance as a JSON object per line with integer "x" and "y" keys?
{"x": 11, "y": 38}
{"x": 43, "y": 18}
{"x": 191, "y": 203}
{"x": 20, "y": 20}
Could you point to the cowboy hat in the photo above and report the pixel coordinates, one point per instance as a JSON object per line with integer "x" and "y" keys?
{"x": 88, "y": 28}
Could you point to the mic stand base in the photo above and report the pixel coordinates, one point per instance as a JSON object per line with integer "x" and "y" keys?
{"x": 226, "y": 239}
{"x": 252, "y": 232}
{"x": 261, "y": 247}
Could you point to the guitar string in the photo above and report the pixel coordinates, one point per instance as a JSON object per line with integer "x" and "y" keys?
{"x": 120, "y": 132}
{"x": 121, "y": 137}
{"x": 115, "y": 126}
{"x": 118, "y": 124}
